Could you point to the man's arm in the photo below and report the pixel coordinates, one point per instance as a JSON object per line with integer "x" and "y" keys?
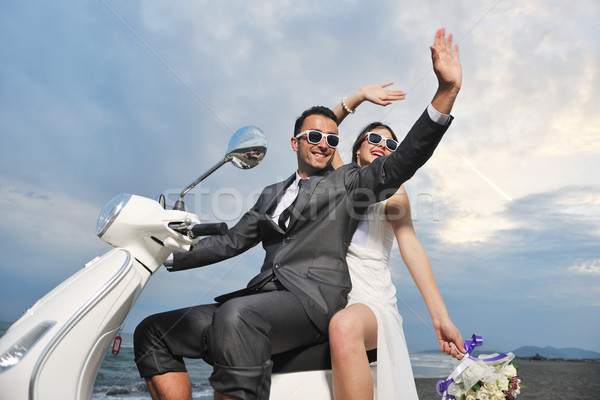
{"x": 385, "y": 175}
{"x": 243, "y": 236}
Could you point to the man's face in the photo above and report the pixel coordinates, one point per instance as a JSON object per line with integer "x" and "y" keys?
{"x": 314, "y": 157}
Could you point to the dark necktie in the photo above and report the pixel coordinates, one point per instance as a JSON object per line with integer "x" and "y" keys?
{"x": 287, "y": 213}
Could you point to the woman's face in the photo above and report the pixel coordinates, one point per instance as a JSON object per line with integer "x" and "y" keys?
{"x": 368, "y": 152}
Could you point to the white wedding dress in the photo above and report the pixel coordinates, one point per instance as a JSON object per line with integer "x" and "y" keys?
{"x": 372, "y": 285}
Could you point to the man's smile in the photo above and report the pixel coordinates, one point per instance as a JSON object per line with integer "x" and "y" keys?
{"x": 320, "y": 154}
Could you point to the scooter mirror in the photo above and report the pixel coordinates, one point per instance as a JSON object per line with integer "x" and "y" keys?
{"x": 247, "y": 147}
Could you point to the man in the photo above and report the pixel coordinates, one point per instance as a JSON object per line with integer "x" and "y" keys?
{"x": 305, "y": 225}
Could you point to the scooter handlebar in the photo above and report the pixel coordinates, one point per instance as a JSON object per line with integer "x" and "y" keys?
{"x": 219, "y": 228}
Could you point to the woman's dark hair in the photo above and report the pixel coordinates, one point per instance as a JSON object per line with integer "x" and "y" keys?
{"x": 363, "y": 134}
{"x": 316, "y": 110}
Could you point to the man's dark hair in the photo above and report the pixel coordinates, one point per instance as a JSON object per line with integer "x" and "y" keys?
{"x": 316, "y": 110}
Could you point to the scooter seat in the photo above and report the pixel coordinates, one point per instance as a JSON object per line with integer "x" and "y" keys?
{"x": 311, "y": 358}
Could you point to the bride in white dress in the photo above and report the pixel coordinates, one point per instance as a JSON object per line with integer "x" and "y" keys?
{"x": 371, "y": 318}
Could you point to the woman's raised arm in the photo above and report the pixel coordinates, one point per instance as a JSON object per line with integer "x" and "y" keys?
{"x": 376, "y": 94}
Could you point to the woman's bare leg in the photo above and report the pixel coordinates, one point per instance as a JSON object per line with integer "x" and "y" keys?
{"x": 352, "y": 332}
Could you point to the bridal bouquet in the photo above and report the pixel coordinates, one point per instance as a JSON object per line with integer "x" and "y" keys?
{"x": 487, "y": 377}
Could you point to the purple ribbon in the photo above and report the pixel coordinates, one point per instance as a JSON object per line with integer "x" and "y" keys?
{"x": 476, "y": 340}
{"x": 442, "y": 386}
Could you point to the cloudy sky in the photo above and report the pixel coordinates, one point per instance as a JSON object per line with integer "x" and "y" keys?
{"x": 103, "y": 97}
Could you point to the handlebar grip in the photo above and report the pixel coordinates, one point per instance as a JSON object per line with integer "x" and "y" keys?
{"x": 219, "y": 228}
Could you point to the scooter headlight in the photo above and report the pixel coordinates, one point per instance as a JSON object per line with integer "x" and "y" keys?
{"x": 25, "y": 343}
{"x": 110, "y": 212}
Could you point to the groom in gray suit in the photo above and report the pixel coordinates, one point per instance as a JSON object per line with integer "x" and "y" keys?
{"x": 305, "y": 225}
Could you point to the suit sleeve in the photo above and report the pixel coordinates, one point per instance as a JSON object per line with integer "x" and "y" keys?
{"x": 243, "y": 236}
{"x": 383, "y": 177}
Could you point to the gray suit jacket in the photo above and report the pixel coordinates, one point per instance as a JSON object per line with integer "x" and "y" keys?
{"x": 309, "y": 259}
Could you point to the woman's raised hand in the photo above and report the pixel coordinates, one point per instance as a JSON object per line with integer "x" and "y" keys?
{"x": 378, "y": 94}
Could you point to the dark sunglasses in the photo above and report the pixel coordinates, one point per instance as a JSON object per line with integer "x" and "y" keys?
{"x": 315, "y": 137}
{"x": 376, "y": 138}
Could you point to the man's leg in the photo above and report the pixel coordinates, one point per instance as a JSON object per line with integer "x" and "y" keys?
{"x": 221, "y": 396}
{"x": 160, "y": 342}
{"x": 170, "y": 386}
{"x": 246, "y": 331}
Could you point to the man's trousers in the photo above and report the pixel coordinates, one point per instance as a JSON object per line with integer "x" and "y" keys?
{"x": 237, "y": 338}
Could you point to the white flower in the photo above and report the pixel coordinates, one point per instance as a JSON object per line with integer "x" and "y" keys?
{"x": 503, "y": 383}
{"x": 509, "y": 370}
{"x": 499, "y": 396}
{"x": 471, "y": 395}
{"x": 493, "y": 390}
{"x": 483, "y": 394}
{"x": 490, "y": 385}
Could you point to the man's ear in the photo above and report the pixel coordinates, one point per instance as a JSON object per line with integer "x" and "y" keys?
{"x": 294, "y": 142}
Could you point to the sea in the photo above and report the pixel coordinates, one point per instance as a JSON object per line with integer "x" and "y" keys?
{"x": 118, "y": 377}
{"x": 543, "y": 379}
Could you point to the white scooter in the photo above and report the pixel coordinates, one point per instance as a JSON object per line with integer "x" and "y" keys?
{"x": 55, "y": 349}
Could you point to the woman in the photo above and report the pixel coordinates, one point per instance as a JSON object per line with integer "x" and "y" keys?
{"x": 371, "y": 319}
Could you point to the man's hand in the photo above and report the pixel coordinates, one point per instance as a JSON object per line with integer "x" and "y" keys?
{"x": 445, "y": 61}
{"x": 448, "y": 70}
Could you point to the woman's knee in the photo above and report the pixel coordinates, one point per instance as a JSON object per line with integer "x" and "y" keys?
{"x": 344, "y": 330}
{"x": 352, "y": 328}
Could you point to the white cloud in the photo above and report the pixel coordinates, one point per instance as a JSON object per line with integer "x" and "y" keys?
{"x": 526, "y": 104}
{"x": 591, "y": 267}
{"x": 525, "y": 119}
{"x": 52, "y": 219}
{"x": 472, "y": 228}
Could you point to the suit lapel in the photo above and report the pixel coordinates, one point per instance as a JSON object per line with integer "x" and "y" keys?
{"x": 303, "y": 198}
{"x": 274, "y": 200}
